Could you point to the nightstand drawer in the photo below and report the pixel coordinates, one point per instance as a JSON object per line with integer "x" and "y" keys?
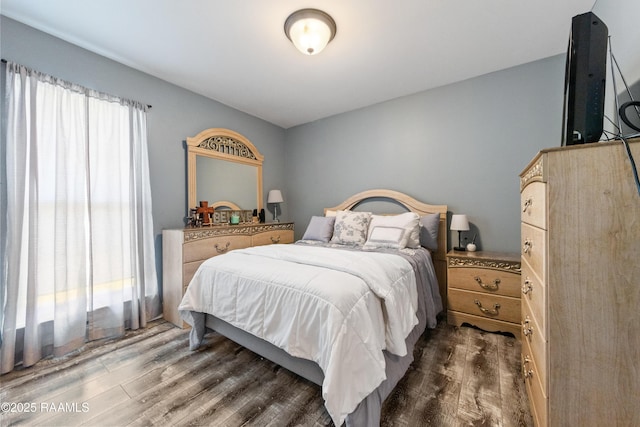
{"x": 485, "y": 280}
{"x": 481, "y": 304}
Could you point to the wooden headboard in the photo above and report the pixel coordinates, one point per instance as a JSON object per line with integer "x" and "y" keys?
{"x": 413, "y": 205}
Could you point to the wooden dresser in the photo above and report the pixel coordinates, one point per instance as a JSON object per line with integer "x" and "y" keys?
{"x": 184, "y": 250}
{"x": 483, "y": 289}
{"x": 580, "y": 241}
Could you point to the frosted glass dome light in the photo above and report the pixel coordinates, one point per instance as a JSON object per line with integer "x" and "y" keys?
{"x": 310, "y": 30}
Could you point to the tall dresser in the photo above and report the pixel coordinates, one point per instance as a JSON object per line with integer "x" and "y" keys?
{"x": 580, "y": 238}
{"x": 183, "y": 250}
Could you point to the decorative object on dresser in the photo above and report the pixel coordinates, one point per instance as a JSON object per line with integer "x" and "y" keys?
{"x": 581, "y": 299}
{"x": 275, "y": 198}
{"x": 483, "y": 289}
{"x": 184, "y": 250}
{"x": 459, "y": 223}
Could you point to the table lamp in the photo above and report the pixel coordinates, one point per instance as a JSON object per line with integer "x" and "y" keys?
{"x": 459, "y": 223}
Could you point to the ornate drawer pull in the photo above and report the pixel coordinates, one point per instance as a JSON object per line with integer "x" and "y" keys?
{"x": 527, "y": 286}
{"x": 490, "y": 287}
{"x": 528, "y": 373}
{"x": 526, "y": 248}
{"x": 491, "y": 312}
{"x": 275, "y": 240}
{"x": 526, "y": 205}
{"x": 527, "y": 329}
{"x": 222, "y": 250}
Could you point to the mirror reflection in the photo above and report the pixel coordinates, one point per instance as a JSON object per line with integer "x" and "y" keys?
{"x": 224, "y": 180}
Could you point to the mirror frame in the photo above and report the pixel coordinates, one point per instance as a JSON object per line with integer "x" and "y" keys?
{"x": 222, "y": 144}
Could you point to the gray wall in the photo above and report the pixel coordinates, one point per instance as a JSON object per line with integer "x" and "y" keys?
{"x": 176, "y": 115}
{"x": 462, "y": 145}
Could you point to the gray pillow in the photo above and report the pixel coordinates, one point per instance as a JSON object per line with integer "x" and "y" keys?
{"x": 429, "y": 226}
{"x": 320, "y": 228}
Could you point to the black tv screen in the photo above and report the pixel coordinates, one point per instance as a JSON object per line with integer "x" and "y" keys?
{"x": 585, "y": 79}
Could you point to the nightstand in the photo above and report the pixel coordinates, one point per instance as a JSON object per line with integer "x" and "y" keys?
{"x": 483, "y": 289}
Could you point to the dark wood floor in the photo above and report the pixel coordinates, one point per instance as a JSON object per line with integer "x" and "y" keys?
{"x": 461, "y": 377}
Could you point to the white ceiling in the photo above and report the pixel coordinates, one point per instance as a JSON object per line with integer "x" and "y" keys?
{"x": 235, "y": 51}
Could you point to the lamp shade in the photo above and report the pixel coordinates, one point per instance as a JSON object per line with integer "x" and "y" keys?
{"x": 275, "y": 196}
{"x": 459, "y": 223}
{"x": 310, "y": 30}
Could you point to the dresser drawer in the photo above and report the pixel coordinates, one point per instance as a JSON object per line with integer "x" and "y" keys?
{"x": 534, "y": 295}
{"x": 200, "y": 250}
{"x": 537, "y": 396}
{"x": 533, "y": 203}
{"x": 535, "y": 343}
{"x": 485, "y": 280}
{"x": 484, "y": 305}
{"x": 273, "y": 237}
{"x": 534, "y": 248}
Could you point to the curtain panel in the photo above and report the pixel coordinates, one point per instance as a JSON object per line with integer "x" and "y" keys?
{"x": 79, "y": 256}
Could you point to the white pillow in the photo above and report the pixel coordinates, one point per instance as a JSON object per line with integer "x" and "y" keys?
{"x": 351, "y": 228}
{"x": 409, "y": 221}
{"x": 386, "y": 237}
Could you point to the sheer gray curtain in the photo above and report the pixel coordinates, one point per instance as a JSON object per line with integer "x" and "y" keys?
{"x": 79, "y": 259}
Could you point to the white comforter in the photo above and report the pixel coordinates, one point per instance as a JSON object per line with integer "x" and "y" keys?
{"x": 338, "y": 308}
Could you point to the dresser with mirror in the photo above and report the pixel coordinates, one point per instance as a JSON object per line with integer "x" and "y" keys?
{"x": 224, "y": 169}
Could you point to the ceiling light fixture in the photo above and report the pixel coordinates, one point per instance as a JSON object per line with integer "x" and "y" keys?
{"x": 310, "y": 30}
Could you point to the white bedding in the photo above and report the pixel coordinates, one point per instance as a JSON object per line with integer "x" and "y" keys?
{"x": 338, "y": 308}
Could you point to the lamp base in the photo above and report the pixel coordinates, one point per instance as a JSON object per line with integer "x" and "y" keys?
{"x": 460, "y": 249}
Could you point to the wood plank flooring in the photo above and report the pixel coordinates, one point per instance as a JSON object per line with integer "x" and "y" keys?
{"x": 460, "y": 377}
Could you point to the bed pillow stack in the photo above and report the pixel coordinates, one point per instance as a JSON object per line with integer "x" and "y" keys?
{"x": 406, "y": 230}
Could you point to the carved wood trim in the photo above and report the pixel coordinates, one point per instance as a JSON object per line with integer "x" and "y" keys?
{"x": 534, "y": 173}
{"x": 508, "y": 266}
{"x": 192, "y": 234}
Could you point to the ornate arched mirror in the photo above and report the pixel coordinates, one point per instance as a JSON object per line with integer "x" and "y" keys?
{"x": 225, "y": 169}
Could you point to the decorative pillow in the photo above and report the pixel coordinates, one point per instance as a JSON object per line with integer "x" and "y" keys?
{"x": 351, "y": 228}
{"x": 409, "y": 221}
{"x": 386, "y": 237}
{"x": 429, "y": 226}
{"x": 320, "y": 228}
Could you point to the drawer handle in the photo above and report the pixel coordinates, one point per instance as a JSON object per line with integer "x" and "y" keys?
{"x": 222, "y": 250}
{"x": 526, "y": 248}
{"x": 488, "y": 311}
{"x": 527, "y": 329}
{"x": 275, "y": 239}
{"x": 527, "y": 286}
{"x": 526, "y": 205}
{"x": 528, "y": 373}
{"x": 490, "y": 287}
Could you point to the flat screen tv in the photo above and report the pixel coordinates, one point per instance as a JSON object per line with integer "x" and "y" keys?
{"x": 585, "y": 79}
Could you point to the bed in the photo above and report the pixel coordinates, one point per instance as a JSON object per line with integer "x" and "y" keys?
{"x": 342, "y": 307}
